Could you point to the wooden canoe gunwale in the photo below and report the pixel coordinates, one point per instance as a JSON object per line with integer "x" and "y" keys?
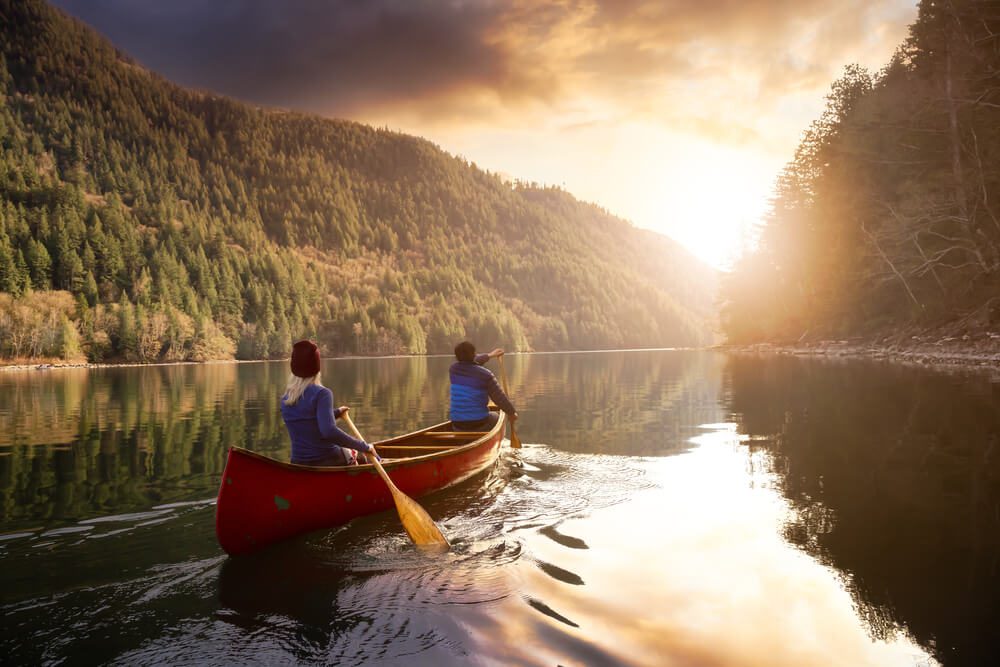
{"x": 388, "y": 464}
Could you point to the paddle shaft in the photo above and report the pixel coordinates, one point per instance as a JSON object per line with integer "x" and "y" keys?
{"x": 515, "y": 441}
{"x": 417, "y": 522}
{"x": 373, "y": 458}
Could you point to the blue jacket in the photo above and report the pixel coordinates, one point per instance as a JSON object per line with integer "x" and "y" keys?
{"x": 312, "y": 426}
{"x": 471, "y": 388}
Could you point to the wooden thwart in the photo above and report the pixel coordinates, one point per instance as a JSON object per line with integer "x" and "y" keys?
{"x": 410, "y": 451}
{"x": 441, "y": 448}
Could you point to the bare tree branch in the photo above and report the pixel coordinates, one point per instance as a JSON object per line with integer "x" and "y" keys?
{"x": 892, "y": 266}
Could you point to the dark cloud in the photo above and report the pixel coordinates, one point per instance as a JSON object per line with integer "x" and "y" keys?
{"x": 479, "y": 59}
{"x": 323, "y": 56}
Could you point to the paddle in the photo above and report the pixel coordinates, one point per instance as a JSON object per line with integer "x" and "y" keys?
{"x": 515, "y": 441}
{"x": 417, "y": 522}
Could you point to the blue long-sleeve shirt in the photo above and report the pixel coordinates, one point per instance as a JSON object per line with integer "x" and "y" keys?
{"x": 471, "y": 388}
{"x": 312, "y": 426}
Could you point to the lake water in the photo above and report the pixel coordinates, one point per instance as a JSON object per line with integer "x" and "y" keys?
{"x": 668, "y": 508}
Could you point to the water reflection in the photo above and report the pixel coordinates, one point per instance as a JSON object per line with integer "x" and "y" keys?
{"x": 76, "y": 444}
{"x": 639, "y": 403}
{"x": 691, "y": 570}
{"x": 631, "y": 529}
{"x": 895, "y": 476}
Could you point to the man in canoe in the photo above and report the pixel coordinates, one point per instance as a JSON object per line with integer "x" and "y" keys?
{"x": 307, "y": 408}
{"x": 472, "y": 386}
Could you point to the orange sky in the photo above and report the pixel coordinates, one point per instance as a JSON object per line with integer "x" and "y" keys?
{"x": 675, "y": 115}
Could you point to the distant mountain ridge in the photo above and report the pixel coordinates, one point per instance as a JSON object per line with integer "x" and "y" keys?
{"x": 189, "y": 226}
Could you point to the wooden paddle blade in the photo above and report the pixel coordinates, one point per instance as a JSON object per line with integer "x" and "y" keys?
{"x": 418, "y": 523}
{"x": 515, "y": 442}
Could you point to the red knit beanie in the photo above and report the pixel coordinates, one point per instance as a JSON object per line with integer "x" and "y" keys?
{"x": 305, "y": 359}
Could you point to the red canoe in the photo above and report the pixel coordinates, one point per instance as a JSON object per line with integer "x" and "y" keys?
{"x": 262, "y": 501}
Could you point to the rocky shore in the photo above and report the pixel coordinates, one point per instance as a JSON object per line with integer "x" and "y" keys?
{"x": 980, "y": 349}
{"x": 47, "y": 365}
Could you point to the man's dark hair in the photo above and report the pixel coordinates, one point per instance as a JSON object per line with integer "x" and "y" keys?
{"x": 465, "y": 351}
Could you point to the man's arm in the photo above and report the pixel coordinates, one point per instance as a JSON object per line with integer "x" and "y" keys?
{"x": 500, "y": 398}
{"x": 483, "y": 358}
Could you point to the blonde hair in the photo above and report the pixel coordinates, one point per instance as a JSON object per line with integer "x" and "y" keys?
{"x": 296, "y": 386}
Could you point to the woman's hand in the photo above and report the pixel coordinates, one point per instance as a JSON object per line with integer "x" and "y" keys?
{"x": 498, "y": 352}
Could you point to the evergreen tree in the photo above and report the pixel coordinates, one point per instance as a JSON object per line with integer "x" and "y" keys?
{"x": 127, "y": 343}
{"x": 39, "y": 264}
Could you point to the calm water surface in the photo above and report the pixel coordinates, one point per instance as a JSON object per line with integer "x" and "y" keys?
{"x": 668, "y": 508}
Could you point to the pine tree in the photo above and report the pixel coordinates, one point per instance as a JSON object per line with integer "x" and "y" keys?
{"x": 127, "y": 343}
{"x": 8, "y": 272}
{"x": 20, "y": 276}
{"x": 39, "y": 265}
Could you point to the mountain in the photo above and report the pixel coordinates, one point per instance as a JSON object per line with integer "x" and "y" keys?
{"x": 886, "y": 223}
{"x": 140, "y": 220}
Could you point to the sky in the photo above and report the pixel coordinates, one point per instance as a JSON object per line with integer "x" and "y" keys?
{"x": 677, "y": 115}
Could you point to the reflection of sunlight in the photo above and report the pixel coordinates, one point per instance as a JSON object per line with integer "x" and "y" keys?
{"x": 692, "y": 572}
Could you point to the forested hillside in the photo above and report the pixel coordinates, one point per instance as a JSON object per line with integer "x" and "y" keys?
{"x": 142, "y": 221}
{"x": 888, "y": 217}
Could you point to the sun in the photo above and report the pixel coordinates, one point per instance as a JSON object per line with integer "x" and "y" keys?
{"x": 702, "y": 192}
{"x": 712, "y": 203}
{"x": 713, "y": 228}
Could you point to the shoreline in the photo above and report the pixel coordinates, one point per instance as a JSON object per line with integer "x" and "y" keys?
{"x": 49, "y": 365}
{"x": 44, "y": 364}
{"x": 981, "y": 352}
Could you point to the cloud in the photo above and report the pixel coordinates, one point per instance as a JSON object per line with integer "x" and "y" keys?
{"x": 703, "y": 66}
{"x": 321, "y": 56}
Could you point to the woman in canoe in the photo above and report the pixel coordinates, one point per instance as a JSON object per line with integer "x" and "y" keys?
{"x": 307, "y": 408}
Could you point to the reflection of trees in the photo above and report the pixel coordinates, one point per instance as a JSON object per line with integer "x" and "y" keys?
{"x": 391, "y": 396}
{"x": 896, "y": 476}
{"x": 89, "y": 442}
{"x": 38, "y": 408}
{"x": 79, "y": 444}
{"x": 616, "y": 403}
{"x": 112, "y": 439}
